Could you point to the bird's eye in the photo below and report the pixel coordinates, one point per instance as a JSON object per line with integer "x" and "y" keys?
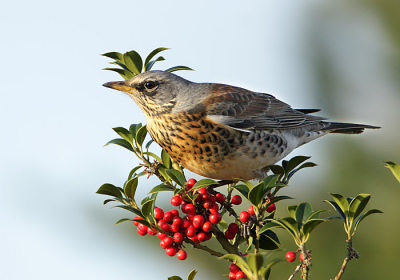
{"x": 150, "y": 85}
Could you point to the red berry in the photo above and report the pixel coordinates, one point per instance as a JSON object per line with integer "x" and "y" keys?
{"x": 174, "y": 228}
{"x": 213, "y": 208}
{"x": 183, "y": 207}
{"x": 207, "y": 204}
{"x": 162, "y": 244}
{"x": 141, "y": 232}
{"x": 176, "y": 200}
{"x": 215, "y": 218}
{"x": 202, "y": 191}
{"x": 301, "y": 257}
{"x": 201, "y": 236}
{"x": 191, "y": 217}
{"x": 151, "y": 231}
{"x": 190, "y": 183}
{"x": 198, "y": 198}
{"x": 142, "y": 227}
{"x": 233, "y": 228}
{"x": 168, "y": 241}
{"x": 178, "y": 237}
{"x": 220, "y": 197}
{"x": 168, "y": 216}
{"x": 213, "y": 199}
{"x": 186, "y": 223}
{"x": 232, "y": 276}
{"x": 236, "y": 199}
{"x": 171, "y": 251}
{"x": 190, "y": 208}
{"x": 138, "y": 218}
{"x": 208, "y": 235}
{"x": 165, "y": 227}
{"x": 198, "y": 221}
{"x": 182, "y": 255}
{"x": 194, "y": 238}
{"x": 234, "y": 268}
{"x": 177, "y": 221}
{"x": 174, "y": 212}
{"x": 290, "y": 256}
{"x": 271, "y": 208}
{"x": 244, "y": 216}
{"x": 158, "y": 213}
{"x": 161, "y": 235}
{"x": 205, "y": 197}
{"x": 190, "y": 231}
{"x": 240, "y": 275}
{"x": 229, "y": 235}
{"x": 207, "y": 226}
{"x": 251, "y": 210}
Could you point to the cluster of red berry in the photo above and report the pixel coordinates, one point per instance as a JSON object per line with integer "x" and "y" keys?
{"x": 236, "y": 273}
{"x": 291, "y": 256}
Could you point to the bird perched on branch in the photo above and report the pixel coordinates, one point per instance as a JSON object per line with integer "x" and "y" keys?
{"x": 221, "y": 131}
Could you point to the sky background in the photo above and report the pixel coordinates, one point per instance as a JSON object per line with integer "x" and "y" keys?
{"x": 55, "y": 117}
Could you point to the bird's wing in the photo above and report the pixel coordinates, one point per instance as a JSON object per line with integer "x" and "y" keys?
{"x": 246, "y": 110}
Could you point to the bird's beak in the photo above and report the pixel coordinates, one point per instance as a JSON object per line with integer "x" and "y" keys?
{"x": 122, "y": 86}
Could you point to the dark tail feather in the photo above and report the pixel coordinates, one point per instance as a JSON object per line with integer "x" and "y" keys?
{"x": 348, "y": 128}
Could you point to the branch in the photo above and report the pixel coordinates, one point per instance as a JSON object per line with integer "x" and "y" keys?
{"x": 351, "y": 254}
{"x": 204, "y": 248}
{"x": 295, "y": 272}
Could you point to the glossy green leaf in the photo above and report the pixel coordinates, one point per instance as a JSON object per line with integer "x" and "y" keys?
{"x": 204, "y": 183}
{"x": 115, "y": 55}
{"x": 141, "y": 135}
{"x": 143, "y": 222}
{"x": 337, "y": 208}
{"x": 133, "y": 128}
{"x": 129, "y": 208}
{"x": 304, "y": 165}
{"x": 109, "y": 189}
{"x": 255, "y": 262}
{"x": 120, "y": 142}
{"x": 277, "y": 169}
{"x": 124, "y": 133}
{"x": 130, "y": 188}
{"x": 311, "y": 225}
{"x": 133, "y": 172}
{"x": 178, "y": 68}
{"x": 303, "y": 211}
{"x": 255, "y": 194}
{"x": 279, "y": 198}
{"x": 395, "y": 168}
{"x": 294, "y": 162}
{"x": 108, "y": 200}
{"x": 289, "y": 224}
{"x": 148, "y": 208}
{"x": 151, "y": 63}
{"x": 121, "y": 221}
{"x": 149, "y": 143}
{"x": 243, "y": 189}
{"x": 166, "y": 159}
{"x": 292, "y": 210}
{"x": 192, "y": 274}
{"x": 176, "y": 176}
{"x": 265, "y": 272}
{"x": 358, "y": 204}
{"x": 366, "y": 214}
{"x": 342, "y": 202}
{"x": 315, "y": 215}
{"x": 133, "y": 61}
{"x": 268, "y": 240}
{"x": 267, "y": 226}
{"x": 174, "y": 278}
{"x": 123, "y": 66}
{"x": 157, "y": 158}
{"x": 236, "y": 258}
{"x": 223, "y": 224}
{"x": 124, "y": 73}
{"x": 162, "y": 188}
{"x": 152, "y": 54}
{"x": 271, "y": 180}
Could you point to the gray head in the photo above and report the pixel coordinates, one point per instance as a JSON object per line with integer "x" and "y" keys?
{"x": 158, "y": 92}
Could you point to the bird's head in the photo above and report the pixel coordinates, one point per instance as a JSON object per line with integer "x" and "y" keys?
{"x": 156, "y": 92}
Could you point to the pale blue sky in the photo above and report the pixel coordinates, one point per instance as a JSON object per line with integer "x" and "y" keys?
{"x": 56, "y": 116}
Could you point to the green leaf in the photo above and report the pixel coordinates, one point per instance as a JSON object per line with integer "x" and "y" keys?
{"x": 152, "y": 54}
{"x": 129, "y": 208}
{"x": 236, "y": 258}
{"x": 133, "y": 61}
{"x": 277, "y": 169}
{"x": 149, "y": 143}
{"x": 124, "y": 133}
{"x": 151, "y": 63}
{"x": 166, "y": 159}
{"x": 255, "y": 262}
{"x": 279, "y": 198}
{"x": 255, "y": 194}
{"x": 268, "y": 240}
{"x": 174, "y": 278}
{"x": 303, "y": 211}
{"x": 132, "y": 173}
{"x": 153, "y": 155}
{"x": 243, "y": 189}
{"x": 304, "y": 165}
{"x": 122, "y": 220}
{"x": 192, "y": 274}
{"x": 311, "y": 225}
{"x": 358, "y": 204}
{"x": 204, "y": 183}
{"x": 161, "y": 188}
{"x": 337, "y": 208}
{"x": 294, "y": 162}
{"x": 271, "y": 180}
{"x": 176, "y": 176}
{"x": 395, "y": 168}
{"x": 366, "y": 214}
{"x": 134, "y": 128}
{"x": 341, "y": 202}
{"x": 124, "y": 73}
{"x": 123, "y": 66}
{"x": 115, "y": 55}
{"x": 315, "y": 215}
{"x": 130, "y": 188}
{"x": 109, "y": 200}
{"x": 148, "y": 208}
{"x": 292, "y": 210}
{"x": 268, "y": 226}
{"x": 223, "y": 224}
{"x": 289, "y": 224}
{"x": 109, "y": 189}
{"x": 141, "y": 135}
{"x": 120, "y": 142}
{"x": 178, "y": 68}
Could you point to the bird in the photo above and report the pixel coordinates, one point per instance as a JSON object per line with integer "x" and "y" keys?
{"x": 221, "y": 131}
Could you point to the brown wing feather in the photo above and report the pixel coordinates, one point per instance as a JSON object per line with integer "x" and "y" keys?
{"x": 244, "y": 109}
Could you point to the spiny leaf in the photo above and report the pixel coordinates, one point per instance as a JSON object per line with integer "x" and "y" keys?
{"x": 395, "y": 168}
{"x": 120, "y": 142}
{"x": 109, "y": 189}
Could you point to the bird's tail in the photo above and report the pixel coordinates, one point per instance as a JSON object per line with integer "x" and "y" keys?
{"x": 348, "y": 128}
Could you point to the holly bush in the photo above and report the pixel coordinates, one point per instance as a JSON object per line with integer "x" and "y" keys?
{"x": 201, "y": 211}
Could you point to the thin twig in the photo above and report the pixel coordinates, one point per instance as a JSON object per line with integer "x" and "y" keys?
{"x": 351, "y": 254}
{"x": 295, "y": 272}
